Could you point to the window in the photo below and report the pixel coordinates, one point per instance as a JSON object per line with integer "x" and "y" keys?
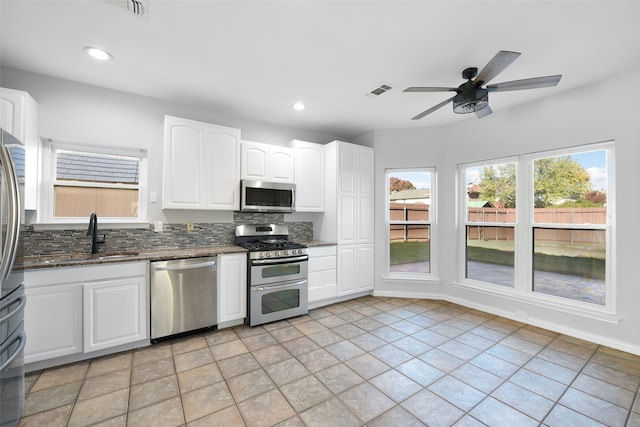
{"x": 490, "y": 219}
{"x": 569, "y": 230}
{"x": 555, "y": 247}
{"x": 82, "y": 179}
{"x": 410, "y": 220}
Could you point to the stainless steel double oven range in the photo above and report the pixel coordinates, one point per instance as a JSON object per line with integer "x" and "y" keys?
{"x": 277, "y": 273}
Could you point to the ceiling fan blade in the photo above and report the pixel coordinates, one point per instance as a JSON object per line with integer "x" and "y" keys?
{"x": 484, "y": 112}
{"x": 430, "y": 89}
{"x": 532, "y": 83}
{"x": 498, "y": 63}
{"x": 432, "y": 109}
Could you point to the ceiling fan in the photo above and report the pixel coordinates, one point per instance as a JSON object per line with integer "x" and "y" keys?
{"x": 472, "y": 97}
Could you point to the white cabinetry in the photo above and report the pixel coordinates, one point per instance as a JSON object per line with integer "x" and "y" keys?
{"x": 309, "y": 175}
{"x": 232, "y": 289}
{"x": 323, "y": 283}
{"x": 115, "y": 312}
{"x": 19, "y": 117}
{"x": 72, "y": 310}
{"x": 349, "y": 216}
{"x": 201, "y": 165}
{"x": 52, "y": 318}
{"x": 265, "y": 162}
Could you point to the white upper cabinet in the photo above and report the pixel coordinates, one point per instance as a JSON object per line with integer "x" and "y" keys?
{"x": 309, "y": 175}
{"x": 19, "y": 117}
{"x": 265, "y": 162}
{"x": 201, "y": 165}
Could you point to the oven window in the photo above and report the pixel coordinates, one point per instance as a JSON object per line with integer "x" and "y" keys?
{"x": 280, "y": 270}
{"x": 280, "y": 300}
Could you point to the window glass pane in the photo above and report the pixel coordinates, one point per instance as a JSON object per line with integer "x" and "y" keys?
{"x": 88, "y": 167}
{"x": 410, "y": 189}
{"x": 571, "y": 189}
{"x": 409, "y": 248}
{"x": 490, "y": 254}
{"x": 491, "y": 193}
{"x": 570, "y": 263}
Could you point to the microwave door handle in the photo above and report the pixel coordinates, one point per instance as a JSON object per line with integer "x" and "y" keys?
{"x": 293, "y": 198}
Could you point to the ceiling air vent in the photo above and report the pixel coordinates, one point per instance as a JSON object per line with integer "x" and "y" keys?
{"x": 135, "y": 7}
{"x": 382, "y": 88}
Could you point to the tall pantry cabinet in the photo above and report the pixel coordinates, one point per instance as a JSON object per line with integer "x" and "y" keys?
{"x": 348, "y": 217}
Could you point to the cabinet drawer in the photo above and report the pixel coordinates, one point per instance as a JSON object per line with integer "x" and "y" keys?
{"x": 318, "y": 251}
{"x": 322, "y": 263}
{"x": 322, "y": 278}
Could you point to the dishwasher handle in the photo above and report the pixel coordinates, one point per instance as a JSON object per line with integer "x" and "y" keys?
{"x": 170, "y": 267}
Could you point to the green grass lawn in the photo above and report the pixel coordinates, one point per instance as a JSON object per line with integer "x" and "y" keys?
{"x": 402, "y": 252}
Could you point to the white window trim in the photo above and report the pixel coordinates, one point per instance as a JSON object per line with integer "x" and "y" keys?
{"x": 522, "y": 291}
{"x": 45, "y": 214}
{"x": 432, "y": 276}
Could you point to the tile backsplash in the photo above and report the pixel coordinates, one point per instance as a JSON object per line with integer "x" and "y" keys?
{"x": 51, "y": 242}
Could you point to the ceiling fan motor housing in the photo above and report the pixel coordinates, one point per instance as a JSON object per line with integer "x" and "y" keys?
{"x": 470, "y": 98}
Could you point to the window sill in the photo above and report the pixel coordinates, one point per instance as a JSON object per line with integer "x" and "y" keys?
{"x": 544, "y": 301}
{"x": 413, "y": 278}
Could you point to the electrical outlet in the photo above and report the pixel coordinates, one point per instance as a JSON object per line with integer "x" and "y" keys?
{"x": 157, "y": 226}
{"x": 190, "y": 226}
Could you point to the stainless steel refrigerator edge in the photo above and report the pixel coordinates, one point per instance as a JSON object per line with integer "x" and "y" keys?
{"x": 12, "y": 297}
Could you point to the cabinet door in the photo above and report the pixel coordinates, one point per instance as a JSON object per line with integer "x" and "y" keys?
{"x": 53, "y": 322}
{"x": 115, "y": 312}
{"x": 222, "y": 168}
{"x": 19, "y": 116}
{"x": 232, "y": 287}
{"x": 255, "y": 161}
{"x": 281, "y": 164}
{"x": 365, "y": 275}
{"x": 181, "y": 185}
{"x": 347, "y": 270}
{"x": 309, "y": 176}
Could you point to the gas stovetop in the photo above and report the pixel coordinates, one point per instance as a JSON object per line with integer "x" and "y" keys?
{"x": 268, "y": 241}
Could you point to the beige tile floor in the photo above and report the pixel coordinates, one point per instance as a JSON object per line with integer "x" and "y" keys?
{"x": 369, "y": 361}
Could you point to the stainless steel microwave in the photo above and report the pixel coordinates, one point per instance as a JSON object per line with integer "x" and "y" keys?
{"x": 263, "y": 196}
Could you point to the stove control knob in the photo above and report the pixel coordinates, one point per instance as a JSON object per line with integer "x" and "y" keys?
{"x": 268, "y": 254}
{"x": 276, "y": 254}
{"x": 261, "y": 255}
{"x": 285, "y": 253}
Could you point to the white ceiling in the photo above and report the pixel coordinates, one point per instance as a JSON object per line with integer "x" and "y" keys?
{"x": 255, "y": 59}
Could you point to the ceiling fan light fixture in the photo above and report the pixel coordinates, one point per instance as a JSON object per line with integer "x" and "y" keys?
{"x": 470, "y": 100}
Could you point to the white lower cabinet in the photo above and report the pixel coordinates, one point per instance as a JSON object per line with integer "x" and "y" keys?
{"x": 115, "y": 312}
{"x": 232, "y": 289}
{"x": 322, "y": 273}
{"x": 355, "y": 268}
{"x": 52, "y": 321}
{"x": 73, "y": 310}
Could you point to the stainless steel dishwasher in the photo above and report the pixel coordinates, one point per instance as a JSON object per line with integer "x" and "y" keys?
{"x": 183, "y": 296}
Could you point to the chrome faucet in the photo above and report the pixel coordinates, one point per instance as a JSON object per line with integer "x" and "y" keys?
{"x": 93, "y": 232}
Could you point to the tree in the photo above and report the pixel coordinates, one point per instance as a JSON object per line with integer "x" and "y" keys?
{"x": 397, "y": 184}
{"x": 498, "y": 185}
{"x": 557, "y": 179}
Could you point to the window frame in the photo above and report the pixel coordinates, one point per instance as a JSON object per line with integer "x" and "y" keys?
{"x": 46, "y": 210}
{"x": 523, "y": 234}
{"x": 433, "y": 262}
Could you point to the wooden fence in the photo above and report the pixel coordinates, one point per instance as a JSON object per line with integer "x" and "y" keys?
{"x": 421, "y": 232}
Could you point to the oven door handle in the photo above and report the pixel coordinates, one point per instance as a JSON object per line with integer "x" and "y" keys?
{"x": 279, "y": 261}
{"x": 278, "y": 286}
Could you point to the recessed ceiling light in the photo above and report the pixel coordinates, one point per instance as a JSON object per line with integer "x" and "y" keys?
{"x": 299, "y": 106}
{"x": 100, "y": 54}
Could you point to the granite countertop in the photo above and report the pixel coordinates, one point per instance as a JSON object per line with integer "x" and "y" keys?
{"x": 68, "y": 260}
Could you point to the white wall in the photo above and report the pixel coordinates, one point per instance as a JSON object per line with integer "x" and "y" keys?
{"x": 75, "y": 112}
{"x": 603, "y": 112}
